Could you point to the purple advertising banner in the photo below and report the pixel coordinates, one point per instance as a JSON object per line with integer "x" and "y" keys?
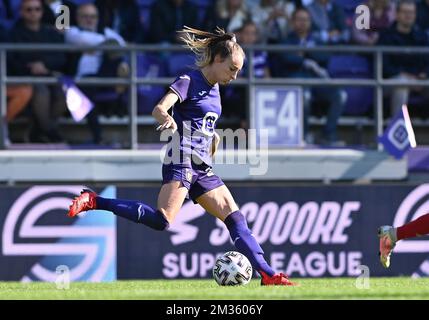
{"x": 40, "y": 243}
{"x": 326, "y": 231}
{"x": 305, "y": 231}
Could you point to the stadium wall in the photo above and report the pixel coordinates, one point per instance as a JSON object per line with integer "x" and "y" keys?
{"x": 104, "y": 166}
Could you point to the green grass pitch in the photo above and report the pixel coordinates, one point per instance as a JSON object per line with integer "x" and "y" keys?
{"x": 339, "y": 288}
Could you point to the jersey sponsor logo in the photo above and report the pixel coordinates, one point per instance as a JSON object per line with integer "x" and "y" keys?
{"x": 201, "y": 93}
{"x": 209, "y": 122}
{"x": 185, "y": 77}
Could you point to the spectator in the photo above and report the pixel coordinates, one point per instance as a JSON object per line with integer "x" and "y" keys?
{"x": 382, "y": 17}
{"x": 234, "y": 98}
{"x": 227, "y": 14}
{"x": 312, "y": 65}
{"x": 423, "y": 15}
{"x": 248, "y": 35}
{"x": 48, "y": 101}
{"x": 405, "y": 33}
{"x": 329, "y": 22}
{"x": 121, "y": 16}
{"x": 272, "y": 17}
{"x": 85, "y": 33}
{"x": 51, "y": 10}
{"x": 95, "y": 63}
{"x": 169, "y": 16}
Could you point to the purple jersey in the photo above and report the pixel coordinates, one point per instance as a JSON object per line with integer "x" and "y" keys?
{"x": 196, "y": 114}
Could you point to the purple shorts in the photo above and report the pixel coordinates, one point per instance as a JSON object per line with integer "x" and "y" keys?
{"x": 198, "y": 179}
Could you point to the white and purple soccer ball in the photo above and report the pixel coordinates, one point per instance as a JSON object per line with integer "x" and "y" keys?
{"x": 232, "y": 269}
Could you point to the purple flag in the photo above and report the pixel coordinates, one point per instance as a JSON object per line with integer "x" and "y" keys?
{"x": 78, "y": 104}
{"x": 399, "y": 137}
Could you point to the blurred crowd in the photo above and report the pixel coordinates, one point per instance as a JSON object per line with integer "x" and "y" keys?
{"x": 306, "y": 23}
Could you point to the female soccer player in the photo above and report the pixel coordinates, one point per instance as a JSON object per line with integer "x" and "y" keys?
{"x": 196, "y": 104}
{"x": 389, "y": 236}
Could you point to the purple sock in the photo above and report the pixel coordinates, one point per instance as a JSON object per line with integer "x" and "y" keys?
{"x": 135, "y": 211}
{"x": 246, "y": 243}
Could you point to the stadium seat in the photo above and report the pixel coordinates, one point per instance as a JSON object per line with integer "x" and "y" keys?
{"x": 359, "y": 99}
{"x": 14, "y": 6}
{"x": 79, "y": 2}
{"x": 349, "y": 6}
{"x": 105, "y": 96}
{"x": 417, "y": 104}
{"x": 149, "y": 66}
{"x": 348, "y": 3}
{"x": 144, "y": 11}
{"x": 202, "y": 3}
{"x": 349, "y": 65}
{"x": 5, "y": 21}
{"x": 179, "y": 63}
{"x": 202, "y": 6}
{"x": 145, "y": 17}
{"x": 2, "y": 11}
{"x": 145, "y": 3}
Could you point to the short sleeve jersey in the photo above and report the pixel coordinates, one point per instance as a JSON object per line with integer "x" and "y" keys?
{"x": 196, "y": 113}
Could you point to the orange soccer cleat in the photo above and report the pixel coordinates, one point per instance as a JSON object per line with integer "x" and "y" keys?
{"x": 279, "y": 279}
{"x": 84, "y": 202}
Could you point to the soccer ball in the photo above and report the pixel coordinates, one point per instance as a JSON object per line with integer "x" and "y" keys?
{"x": 232, "y": 269}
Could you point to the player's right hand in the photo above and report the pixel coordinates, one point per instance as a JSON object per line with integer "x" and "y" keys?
{"x": 168, "y": 124}
{"x": 215, "y": 143}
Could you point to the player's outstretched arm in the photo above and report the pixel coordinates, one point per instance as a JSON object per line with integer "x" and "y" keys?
{"x": 160, "y": 112}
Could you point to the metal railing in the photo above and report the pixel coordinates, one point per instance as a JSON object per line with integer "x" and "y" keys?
{"x": 378, "y": 82}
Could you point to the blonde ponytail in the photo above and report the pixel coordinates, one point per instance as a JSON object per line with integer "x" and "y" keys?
{"x": 207, "y": 45}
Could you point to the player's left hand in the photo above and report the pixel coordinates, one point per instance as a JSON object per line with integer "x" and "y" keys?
{"x": 168, "y": 124}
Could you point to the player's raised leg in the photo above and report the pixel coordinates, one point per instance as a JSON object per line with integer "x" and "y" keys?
{"x": 170, "y": 200}
{"x": 220, "y": 203}
{"x": 389, "y": 236}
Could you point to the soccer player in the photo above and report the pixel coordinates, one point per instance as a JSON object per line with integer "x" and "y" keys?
{"x": 196, "y": 104}
{"x": 389, "y": 236}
